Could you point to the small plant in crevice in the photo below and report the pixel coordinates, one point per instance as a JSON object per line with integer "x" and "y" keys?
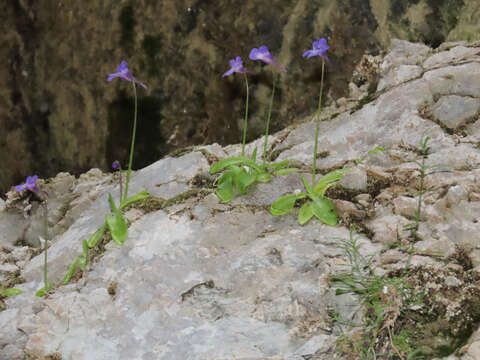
{"x": 318, "y": 205}
{"x": 241, "y": 172}
{"x": 383, "y": 299}
{"x": 377, "y": 150}
{"x": 31, "y": 186}
{"x": 424, "y": 151}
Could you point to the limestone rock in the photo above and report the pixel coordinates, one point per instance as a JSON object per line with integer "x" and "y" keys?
{"x": 454, "y": 111}
{"x": 355, "y": 179}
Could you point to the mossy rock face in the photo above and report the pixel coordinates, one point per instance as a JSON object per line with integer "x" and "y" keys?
{"x": 57, "y": 111}
{"x": 431, "y": 315}
{"x": 450, "y": 311}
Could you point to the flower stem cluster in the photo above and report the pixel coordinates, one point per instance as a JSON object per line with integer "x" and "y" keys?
{"x": 243, "y": 171}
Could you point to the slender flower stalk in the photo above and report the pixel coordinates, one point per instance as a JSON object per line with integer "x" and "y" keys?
{"x": 132, "y": 145}
{"x": 236, "y": 66}
{"x": 267, "y": 125}
{"x": 45, "y": 279}
{"x": 317, "y": 127}
{"x": 263, "y": 54}
{"x": 244, "y": 137}
{"x": 124, "y": 73}
{"x": 116, "y": 165}
{"x": 319, "y": 48}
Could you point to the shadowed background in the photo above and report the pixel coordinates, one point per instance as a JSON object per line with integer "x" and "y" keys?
{"x": 58, "y": 113}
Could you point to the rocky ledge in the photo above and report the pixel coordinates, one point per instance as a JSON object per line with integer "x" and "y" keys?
{"x": 198, "y": 279}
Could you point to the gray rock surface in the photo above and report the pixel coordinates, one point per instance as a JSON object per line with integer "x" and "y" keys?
{"x": 198, "y": 279}
{"x": 454, "y": 111}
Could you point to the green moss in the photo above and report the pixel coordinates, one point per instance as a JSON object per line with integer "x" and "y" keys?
{"x": 180, "y": 152}
{"x": 152, "y": 203}
{"x": 127, "y": 28}
{"x": 364, "y": 101}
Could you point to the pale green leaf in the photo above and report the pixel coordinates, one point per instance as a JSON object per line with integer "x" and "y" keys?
{"x": 140, "y": 196}
{"x": 117, "y": 226}
{"x": 233, "y": 161}
{"x": 241, "y": 178}
{"x": 305, "y": 213}
{"x": 44, "y": 291}
{"x": 323, "y": 209}
{"x": 97, "y": 235}
{"x": 284, "y": 204}
{"x": 264, "y": 177}
{"x": 278, "y": 165}
{"x": 10, "y": 292}
{"x": 225, "y": 187}
{"x": 332, "y": 177}
{"x": 285, "y": 171}
{"x": 71, "y": 270}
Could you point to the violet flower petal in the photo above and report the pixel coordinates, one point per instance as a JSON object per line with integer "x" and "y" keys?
{"x": 236, "y": 67}
{"x": 30, "y": 184}
{"x": 264, "y": 55}
{"x": 320, "y": 48}
{"x": 20, "y": 187}
{"x": 124, "y": 73}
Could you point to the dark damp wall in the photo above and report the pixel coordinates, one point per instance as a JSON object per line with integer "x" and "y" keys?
{"x": 58, "y": 113}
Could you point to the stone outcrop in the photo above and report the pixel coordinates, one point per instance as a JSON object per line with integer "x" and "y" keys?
{"x": 199, "y": 279}
{"x": 58, "y": 114}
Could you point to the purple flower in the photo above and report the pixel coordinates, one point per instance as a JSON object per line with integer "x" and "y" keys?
{"x": 263, "y": 54}
{"x": 236, "y": 67}
{"x": 115, "y": 164}
{"x": 30, "y": 184}
{"x": 124, "y": 73}
{"x": 320, "y": 48}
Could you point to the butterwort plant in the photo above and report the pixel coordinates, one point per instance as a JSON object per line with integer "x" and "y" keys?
{"x": 244, "y": 171}
{"x": 318, "y": 204}
{"x": 114, "y": 221}
{"x": 124, "y": 73}
{"x": 31, "y": 187}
